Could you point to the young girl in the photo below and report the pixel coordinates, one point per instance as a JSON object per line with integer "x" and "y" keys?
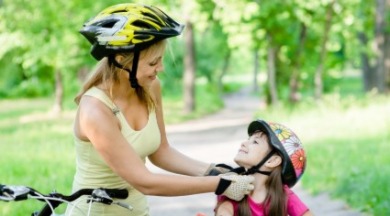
{"x": 273, "y": 154}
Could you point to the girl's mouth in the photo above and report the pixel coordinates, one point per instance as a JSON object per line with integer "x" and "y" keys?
{"x": 242, "y": 151}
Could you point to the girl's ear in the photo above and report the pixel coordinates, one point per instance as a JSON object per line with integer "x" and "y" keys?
{"x": 274, "y": 161}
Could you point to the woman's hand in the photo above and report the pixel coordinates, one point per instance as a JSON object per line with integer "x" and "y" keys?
{"x": 235, "y": 186}
{"x": 217, "y": 169}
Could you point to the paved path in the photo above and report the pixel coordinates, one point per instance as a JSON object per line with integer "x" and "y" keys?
{"x": 216, "y": 138}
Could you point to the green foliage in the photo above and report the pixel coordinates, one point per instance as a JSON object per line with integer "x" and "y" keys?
{"x": 50, "y": 42}
{"x": 209, "y": 62}
{"x": 44, "y": 39}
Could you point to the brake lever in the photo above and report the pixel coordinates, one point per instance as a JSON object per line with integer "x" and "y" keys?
{"x": 14, "y": 193}
{"x": 100, "y": 195}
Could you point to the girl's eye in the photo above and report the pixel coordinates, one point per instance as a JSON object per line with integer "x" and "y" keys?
{"x": 153, "y": 63}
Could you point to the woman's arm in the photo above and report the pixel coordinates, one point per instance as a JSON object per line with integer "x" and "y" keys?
{"x": 96, "y": 122}
{"x": 99, "y": 125}
{"x": 167, "y": 157}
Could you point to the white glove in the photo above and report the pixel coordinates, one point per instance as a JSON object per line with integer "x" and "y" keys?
{"x": 235, "y": 186}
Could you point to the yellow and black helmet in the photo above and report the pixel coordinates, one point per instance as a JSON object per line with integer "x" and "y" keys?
{"x": 128, "y": 28}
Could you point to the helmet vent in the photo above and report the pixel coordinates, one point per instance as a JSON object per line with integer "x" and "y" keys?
{"x": 109, "y": 24}
{"x": 119, "y": 11}
{"x": 141, "y": 24}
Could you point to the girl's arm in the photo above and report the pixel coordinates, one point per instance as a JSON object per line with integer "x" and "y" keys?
{"x": 224, "y": 208}
{"x": 167, "y": 157}
{"x": 308, "y": 213}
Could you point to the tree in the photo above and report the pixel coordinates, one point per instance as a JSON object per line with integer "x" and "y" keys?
{"x": 323, "y": 51}
{"x": 380, "y": 37}
{"x": 189, "y": 69}
{"x": 189, "y": 60}
{"x": 387, "y": 46}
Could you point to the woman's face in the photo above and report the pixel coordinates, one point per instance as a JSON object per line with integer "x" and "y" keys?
{"x": 148, "y": 68}
{"x": 253, "y": 150}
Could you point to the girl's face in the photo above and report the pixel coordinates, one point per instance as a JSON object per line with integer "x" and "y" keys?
{"x": 253, "y": 150}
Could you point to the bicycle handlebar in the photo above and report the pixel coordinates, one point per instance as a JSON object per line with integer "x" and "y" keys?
{"x": 19, "y": 192}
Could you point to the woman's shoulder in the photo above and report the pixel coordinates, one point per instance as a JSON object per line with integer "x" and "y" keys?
{"x": 155, "y": 90}
{"x": 93, "y": 107}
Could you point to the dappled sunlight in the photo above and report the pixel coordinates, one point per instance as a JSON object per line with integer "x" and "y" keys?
{"x": 46, "y": 116}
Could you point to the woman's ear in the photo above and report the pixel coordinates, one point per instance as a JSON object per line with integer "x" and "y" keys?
{"x": 274, "y": 161}
{"x": 119, "y": 58}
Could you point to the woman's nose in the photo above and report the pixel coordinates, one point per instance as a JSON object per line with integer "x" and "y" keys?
{"x": 160, "y": 67}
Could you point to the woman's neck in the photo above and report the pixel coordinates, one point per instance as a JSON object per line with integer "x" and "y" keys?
{"x": 119, "y": 91}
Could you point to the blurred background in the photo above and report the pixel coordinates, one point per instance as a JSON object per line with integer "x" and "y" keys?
{"x": 323, "y": 66}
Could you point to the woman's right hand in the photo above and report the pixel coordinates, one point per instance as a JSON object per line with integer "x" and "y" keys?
{"x": 235, "y": 186}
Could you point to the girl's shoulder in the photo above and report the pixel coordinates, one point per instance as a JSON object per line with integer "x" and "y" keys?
{"x": 295, "y": 206}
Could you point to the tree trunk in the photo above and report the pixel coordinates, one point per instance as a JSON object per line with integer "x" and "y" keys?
{"x": 387, "y": 47}
{"x": 225, "y": 67}
{"x": 380, "y": 24}
{"x": 294, "y": 79}
{"x": 318, "y": 74}
{"x": 59, "y": 93}
{"x": 189, "y": 69}
{"x": 256, "y": 70}
{"x": 271, "y": 72}
{"x": 82, "y": 74}
{"x": 367, "y": 69}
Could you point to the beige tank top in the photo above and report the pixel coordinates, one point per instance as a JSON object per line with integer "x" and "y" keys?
{"x": 93, "y": 172}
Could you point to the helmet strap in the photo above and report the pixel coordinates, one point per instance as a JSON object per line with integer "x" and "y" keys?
{"x": 132, "y": 75}
{"x": 255, "y": 169}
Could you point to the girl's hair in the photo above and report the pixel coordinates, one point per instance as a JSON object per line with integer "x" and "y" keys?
{"x": 275, "y": 203}
{"x": 276, "y": 200}
{"x": 109, "y": 74}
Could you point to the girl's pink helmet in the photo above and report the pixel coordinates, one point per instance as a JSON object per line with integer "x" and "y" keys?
{"x": 287, "y": 143}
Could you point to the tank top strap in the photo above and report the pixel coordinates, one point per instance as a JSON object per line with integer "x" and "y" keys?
{"x": 103, "y": 97}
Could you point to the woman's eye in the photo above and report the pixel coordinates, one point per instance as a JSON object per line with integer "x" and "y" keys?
{"x": 153, "y": 63}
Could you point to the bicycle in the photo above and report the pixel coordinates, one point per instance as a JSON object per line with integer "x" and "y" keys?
{"x": 54, "y": 199}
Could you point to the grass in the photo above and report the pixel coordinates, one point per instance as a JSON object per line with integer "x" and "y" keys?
{"x": 347, "y": 142}
{"x": 37, "y": 150}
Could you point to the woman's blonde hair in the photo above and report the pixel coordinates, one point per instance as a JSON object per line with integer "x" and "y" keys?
{"x": 108, "y": 74}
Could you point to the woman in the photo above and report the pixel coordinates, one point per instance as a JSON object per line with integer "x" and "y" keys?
{"x": 274, "y": 155}
{"x": 120, "y": 122}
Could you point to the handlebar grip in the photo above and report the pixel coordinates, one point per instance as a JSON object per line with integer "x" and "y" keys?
{"x": 14, "y": 192}
{"x": 117, "y": 193}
